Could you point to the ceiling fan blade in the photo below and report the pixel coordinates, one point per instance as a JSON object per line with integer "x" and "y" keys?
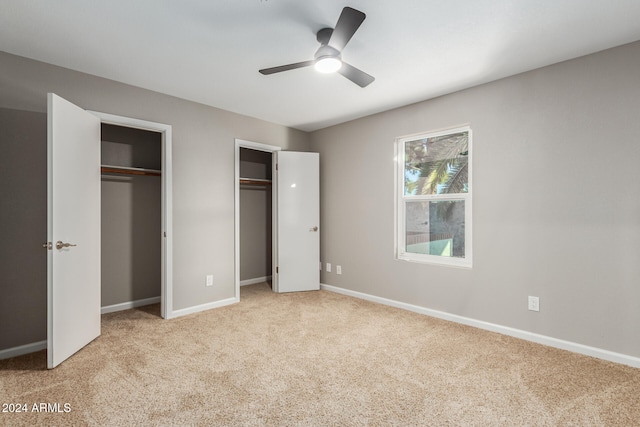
{"x": 287, "y": 67}
{"x": 359, "y": 77}
{"x": 348, "y": 23}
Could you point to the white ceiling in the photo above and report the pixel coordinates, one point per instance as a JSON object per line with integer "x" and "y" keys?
{"x": 209, "y": 51}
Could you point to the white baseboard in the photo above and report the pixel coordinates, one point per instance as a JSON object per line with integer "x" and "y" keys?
{"x": 517, "y": 333}
{"x": 42, "y": 345}
{"x": 129, "y": 304}
{"x": 23, "y": 349}
{"x": 254, "y": 281}
{"x": 203, "y": 307}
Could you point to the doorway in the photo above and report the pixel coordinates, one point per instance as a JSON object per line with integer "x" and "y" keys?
{"x": 257, "y": 161}
{"x": 255, "y": 217}
{"x": 163, "y": 131}
{"x": 295, "y": 198}
{"x": 131, "y": 172}
{"x": 74, "y": 219}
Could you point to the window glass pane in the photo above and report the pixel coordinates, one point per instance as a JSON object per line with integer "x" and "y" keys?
{"x": 437, "y": 165}
{"x": 435, "y": 228}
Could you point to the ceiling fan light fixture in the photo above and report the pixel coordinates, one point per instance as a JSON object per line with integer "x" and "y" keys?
{"x": 328, "y": 64}
{"x": 328, "y": 57}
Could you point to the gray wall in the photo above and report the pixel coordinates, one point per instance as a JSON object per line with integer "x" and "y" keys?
{"x": 556, "y": 211}
{"x": 203, "y": 188}
{"x": 255, "y": 216}
{"x": 131, "y": 238}
{"x": 23, "y": 221}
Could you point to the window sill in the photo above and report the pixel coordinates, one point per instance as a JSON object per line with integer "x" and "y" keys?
{"x": 464, "y": 264}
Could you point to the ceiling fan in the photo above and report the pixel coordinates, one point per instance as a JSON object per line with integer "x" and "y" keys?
{"x": 328, "y": 57}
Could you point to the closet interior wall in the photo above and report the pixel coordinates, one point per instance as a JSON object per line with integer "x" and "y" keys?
{"x": 131, "y": 215}
{"x": 255, "y": 216}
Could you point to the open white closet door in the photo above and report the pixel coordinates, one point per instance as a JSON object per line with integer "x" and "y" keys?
{"x": 73, "y": 229}
{"x": 297, "y": 221}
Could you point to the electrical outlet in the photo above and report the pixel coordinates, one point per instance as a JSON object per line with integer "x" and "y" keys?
{"x": 209, "y": 281}
{"x": 328, "y": 267}
{"x": 534, "y": 303}
{"x": 338, "y": 269}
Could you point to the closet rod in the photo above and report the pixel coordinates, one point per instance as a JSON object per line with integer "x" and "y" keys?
{"x": 129, "y": 171}
{"x": 250, "y": 181}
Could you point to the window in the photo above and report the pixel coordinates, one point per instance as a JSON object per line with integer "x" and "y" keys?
{"x": 434, "y": 197}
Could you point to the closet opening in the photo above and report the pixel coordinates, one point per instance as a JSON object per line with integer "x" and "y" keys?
{"x": 255, "y": 204}
{"x": 131, "y": 217}
{"x": 294, "y": 192}
{"x": 255, "y": 215}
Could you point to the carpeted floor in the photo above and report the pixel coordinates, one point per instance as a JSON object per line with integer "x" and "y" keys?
{"x": 314, "y": 359}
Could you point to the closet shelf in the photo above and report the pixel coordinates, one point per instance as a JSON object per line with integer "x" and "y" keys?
{"x": 254, "y": 181}
{"x": 129, "y": 171}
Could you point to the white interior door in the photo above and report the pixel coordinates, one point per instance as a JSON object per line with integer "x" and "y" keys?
{"x": 73, "y": 218}
{"x": 298, "y": 221}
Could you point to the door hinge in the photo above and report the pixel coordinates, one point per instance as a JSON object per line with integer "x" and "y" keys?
{"x": 277, "y": 269}
{"x": 276, "y": 166}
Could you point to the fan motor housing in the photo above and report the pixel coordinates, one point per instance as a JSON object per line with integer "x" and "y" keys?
{"x": 324, "y": 35}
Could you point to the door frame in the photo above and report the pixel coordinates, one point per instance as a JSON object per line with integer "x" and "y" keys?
{"x": 166, "y": 287}
{"x": 241, "y": 143}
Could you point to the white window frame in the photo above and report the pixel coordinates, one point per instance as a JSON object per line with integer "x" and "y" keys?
{"x": 401, "y": 199}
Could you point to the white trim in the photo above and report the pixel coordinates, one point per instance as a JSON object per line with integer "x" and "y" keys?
{"x": 130, "y": 122}
{"x": 257, "y": 145}
{"x": 204, "y": 307}
{"x": 505, "y": 330}
{"x": 241, "y": 143}
{"x": 129, "y": 304}
{"x": 42, "y": 345}
{"x": 255, "y": 281}
{"x": 166, "y": 288}
{"x": 23, "y": 349}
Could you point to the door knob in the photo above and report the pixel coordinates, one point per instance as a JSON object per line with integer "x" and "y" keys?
{"x": 60, "y": 245}
{"x": 314, "y": 228}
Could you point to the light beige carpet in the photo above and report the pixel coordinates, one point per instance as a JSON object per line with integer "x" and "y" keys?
{"x": 315, "y": 359}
